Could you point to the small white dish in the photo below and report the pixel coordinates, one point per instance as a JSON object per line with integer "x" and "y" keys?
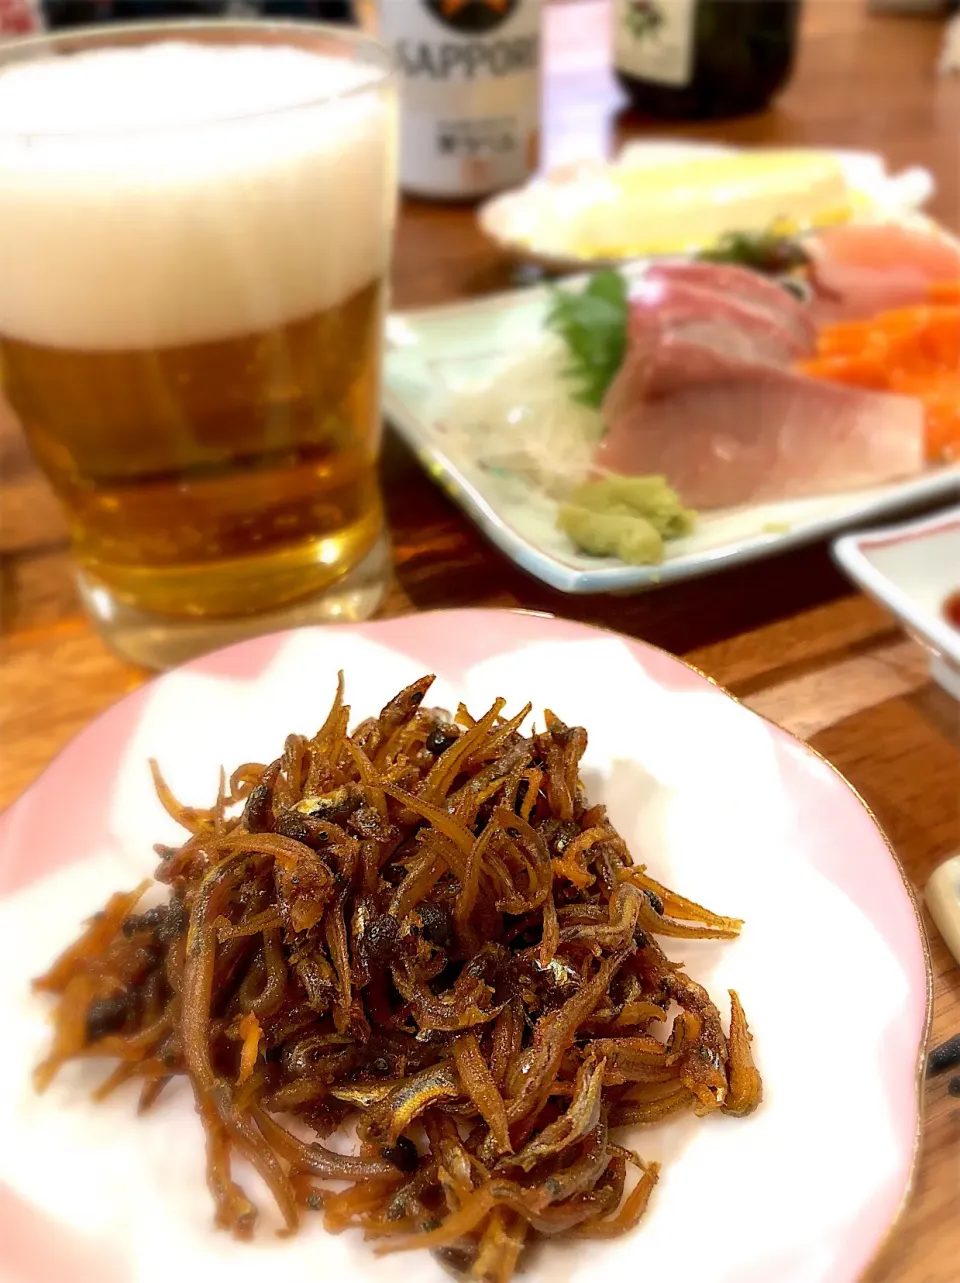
{"x": 533, "y": 222}
{"x": 913, "y": 569}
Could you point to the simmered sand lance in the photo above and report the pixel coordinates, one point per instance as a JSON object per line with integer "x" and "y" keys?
{"x": 425, "y": 928}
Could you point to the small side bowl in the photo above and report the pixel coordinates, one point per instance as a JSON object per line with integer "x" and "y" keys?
{"x": 912, "y": 570}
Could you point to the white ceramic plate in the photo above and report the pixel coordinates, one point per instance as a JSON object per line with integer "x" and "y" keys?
{"x": 831, "y": 965}
{"x": 437, "y": 355}
{"x": 529, "y": 222}
{"x": 912, "y": 570}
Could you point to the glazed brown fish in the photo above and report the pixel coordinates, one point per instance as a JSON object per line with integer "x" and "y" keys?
{"x": 422, "y": 927}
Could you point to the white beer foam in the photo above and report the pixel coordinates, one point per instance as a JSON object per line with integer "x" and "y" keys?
{"x": 175, "y": 193}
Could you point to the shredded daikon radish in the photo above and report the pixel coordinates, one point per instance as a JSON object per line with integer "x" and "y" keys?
{"x": 525, "y": 421}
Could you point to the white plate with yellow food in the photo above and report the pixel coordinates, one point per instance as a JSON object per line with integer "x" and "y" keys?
{"x": 663, "y": 198}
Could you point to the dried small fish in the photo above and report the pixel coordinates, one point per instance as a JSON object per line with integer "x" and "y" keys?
{"x": 423, "y": 929}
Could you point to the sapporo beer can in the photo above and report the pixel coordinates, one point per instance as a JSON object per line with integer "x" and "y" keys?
{"x": 470, "y": 77}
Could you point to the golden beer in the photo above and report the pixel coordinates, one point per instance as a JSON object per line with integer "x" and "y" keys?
{"x": 218, "y": 478}
{"x": 191, "y": 314}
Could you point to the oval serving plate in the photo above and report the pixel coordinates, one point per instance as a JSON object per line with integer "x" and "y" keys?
{"x": 527, "y": 222}
{"x": 722, "y": 805}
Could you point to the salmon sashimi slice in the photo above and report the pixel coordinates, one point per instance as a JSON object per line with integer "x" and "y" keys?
{"x": 858, "y": 271}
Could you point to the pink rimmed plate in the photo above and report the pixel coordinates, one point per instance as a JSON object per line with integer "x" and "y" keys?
{"x": 724, "y": 806}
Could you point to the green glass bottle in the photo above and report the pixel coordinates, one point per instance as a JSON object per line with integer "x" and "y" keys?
{"x": 703, "y": 59}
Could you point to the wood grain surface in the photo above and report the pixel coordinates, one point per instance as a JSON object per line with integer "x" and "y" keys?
{"x": 785, "y": 635}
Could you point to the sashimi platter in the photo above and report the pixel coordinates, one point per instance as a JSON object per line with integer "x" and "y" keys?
{"x": 651, "y": 420}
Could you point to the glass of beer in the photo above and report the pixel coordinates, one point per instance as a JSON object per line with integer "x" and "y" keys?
{"x": 195, "y": 233}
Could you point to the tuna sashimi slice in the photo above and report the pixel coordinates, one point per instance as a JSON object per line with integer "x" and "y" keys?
{"x": 725, "y": 432}
{"x": 744, "y": 286}
{"x": 725, "y": 321}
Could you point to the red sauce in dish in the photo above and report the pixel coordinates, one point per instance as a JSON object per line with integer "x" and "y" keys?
{"x": 951, "y": 608}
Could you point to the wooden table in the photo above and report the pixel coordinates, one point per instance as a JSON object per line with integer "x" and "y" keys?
{"x": 785, "y": 635}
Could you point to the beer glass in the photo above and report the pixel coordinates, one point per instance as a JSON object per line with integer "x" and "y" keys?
{"x": 195, "y": 232}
